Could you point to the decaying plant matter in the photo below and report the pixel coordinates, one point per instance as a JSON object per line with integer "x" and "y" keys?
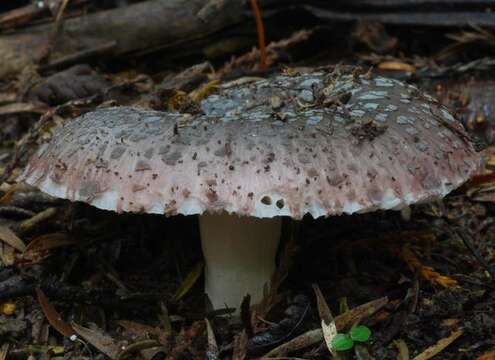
{"x": 170, "y": 110}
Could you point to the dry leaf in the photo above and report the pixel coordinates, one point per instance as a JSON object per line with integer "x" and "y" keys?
{"x": 327, "y": 321}
{"x": 189, "y": 281}
{"x": 403, "y": 349}
{"x": 426, "y": 272}
{"x": 7, "y": 254}
{"x": 144, "y": 331}
{"x": 19, "y": 187}
{"x": 48, "y": 242}
{"x": 240, "y": 346}
{"x": 4, "y": 351}
{"x": 138, "y": 346}
{"x": 53, "y": 316}
{"x": 100, "y": 340}
{"x": 37, "y": 219}
{"x": 165, "y": 321}
{"x": 9, "y": 237}
{"x": 212, "y": 347}
{"x": 356, "y": 314}
{"x": 138, "y": 329}
{"x": 487, "y": 356}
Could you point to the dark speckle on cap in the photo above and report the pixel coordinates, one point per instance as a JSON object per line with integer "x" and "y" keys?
{"x": 89, "y": 190}
{"x": 142, "y": 165}
{"x": 117, "y": 152}
{"x": 172, "y": 158}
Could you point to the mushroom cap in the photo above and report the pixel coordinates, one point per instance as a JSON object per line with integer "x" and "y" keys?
{"x": 315, "y": 143}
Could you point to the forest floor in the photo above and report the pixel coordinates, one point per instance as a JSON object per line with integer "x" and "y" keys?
{"x": 423, "y": 282}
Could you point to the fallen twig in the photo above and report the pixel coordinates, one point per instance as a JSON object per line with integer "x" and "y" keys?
{"x": 341, "y": 321}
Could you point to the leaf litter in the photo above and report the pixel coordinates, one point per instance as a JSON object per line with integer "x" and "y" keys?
{"x": 414, "y": 281}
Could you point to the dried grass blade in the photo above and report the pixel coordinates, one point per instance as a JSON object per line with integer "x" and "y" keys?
{"x": 439, "y": 346}
{"x": 189, "y": 281}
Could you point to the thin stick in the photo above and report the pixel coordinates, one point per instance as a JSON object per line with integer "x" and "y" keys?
{"x": 260, "y": 28}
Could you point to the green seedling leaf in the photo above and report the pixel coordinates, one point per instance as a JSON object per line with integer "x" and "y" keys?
{"x": 342, "y": 342}
{"x": 360, "y": 333}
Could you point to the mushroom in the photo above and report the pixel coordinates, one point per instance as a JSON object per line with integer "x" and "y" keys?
{"x": 256, "y": 151}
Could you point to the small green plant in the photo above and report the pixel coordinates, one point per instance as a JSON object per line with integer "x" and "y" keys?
{"x": 344, "y": 342}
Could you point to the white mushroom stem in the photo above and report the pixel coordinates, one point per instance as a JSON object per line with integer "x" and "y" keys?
{"x": 239, "y": 256}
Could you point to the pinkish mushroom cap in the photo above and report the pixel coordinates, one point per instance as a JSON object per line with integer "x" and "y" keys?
{"x": 314, "y": 144}
{"x": 286, "y": 146}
